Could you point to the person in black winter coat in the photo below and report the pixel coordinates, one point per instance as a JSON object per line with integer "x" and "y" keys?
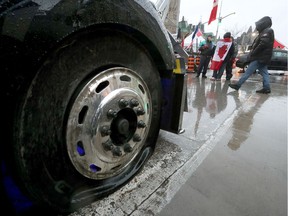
{"x": 217, "y": 74}
{"x": 206, "y": 52}
{"x": 260, "y": 55}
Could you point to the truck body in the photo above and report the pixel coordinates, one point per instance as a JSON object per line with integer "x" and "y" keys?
{"x": 85, "y": 83}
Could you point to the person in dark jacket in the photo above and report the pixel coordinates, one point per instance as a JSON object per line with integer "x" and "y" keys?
{"x": 206, "y": 51}
{"x": 231, "y": 61}
{"x": 217, "y": 74}
{"x": 260, "y": 55}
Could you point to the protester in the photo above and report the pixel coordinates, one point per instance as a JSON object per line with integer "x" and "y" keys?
{"x": 223, "y": 54}
{"x": 232, "y": 60}
{"x": 206, "y": 51}
{"x": 260, "y": 55}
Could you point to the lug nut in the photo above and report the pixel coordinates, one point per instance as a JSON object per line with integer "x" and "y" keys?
{"x": 116, "y": 151}
{"x": 136, "y": 138}
{"x": 123, "y": 103}
{"x": 127, "y": 148}
{"x": 140, "y": 111}
{"x": 105, "y": 131}
{"x": 141, "y": 124}
{"x": 108, "y": 145}
{"x": 134, "y": 102}
{"x": 111, "y": 113}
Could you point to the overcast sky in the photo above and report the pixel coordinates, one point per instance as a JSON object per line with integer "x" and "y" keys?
{"x": 247, "y": 12}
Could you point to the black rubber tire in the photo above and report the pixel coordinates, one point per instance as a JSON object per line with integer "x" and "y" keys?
{"x": 40, "y": 147}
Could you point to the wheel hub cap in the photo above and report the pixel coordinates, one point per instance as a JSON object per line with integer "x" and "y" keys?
{"x": 108, "y": 123}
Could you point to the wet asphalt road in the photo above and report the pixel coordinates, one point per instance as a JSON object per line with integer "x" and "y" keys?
{"x": 231, "y": 160}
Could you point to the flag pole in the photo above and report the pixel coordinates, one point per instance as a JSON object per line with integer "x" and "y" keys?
{"x": 218, "y": 20}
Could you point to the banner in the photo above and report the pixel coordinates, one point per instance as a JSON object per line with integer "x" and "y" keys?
{"x": 195, "y": 31}
{"x": 220, "y": 53}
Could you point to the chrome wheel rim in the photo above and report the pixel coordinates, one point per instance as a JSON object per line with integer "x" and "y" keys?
{"x": 108, "y": 123}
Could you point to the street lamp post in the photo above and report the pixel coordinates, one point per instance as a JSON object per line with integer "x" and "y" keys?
{"x": 219, "y": 21}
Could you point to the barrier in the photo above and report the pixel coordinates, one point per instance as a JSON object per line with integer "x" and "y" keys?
{"x": 190, "y": 65}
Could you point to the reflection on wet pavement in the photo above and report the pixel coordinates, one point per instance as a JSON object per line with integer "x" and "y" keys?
{"x": 242, "y": 123}
{"x": 244, "y": 136}
{"x": 211, "y": 102}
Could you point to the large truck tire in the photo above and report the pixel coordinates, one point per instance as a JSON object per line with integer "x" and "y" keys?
{"x": 88, "y": 121}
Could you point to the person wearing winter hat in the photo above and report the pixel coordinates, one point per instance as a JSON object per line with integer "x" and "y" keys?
{"x": 260, "y": 55}
{"x": 227, "y": 35}
{"x": 226, "y": 42}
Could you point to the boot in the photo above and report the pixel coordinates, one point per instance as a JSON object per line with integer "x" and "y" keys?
{"x": 234, "y": 86}
{"x": 264, "y": 91}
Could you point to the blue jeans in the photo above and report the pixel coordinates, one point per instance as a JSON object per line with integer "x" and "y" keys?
{"x": 263, "y": 70}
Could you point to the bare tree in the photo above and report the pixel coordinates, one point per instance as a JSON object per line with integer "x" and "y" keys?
{"x": 236, "y": 31}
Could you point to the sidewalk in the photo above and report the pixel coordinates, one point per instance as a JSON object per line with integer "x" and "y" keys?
{"x": 246, "y": 172}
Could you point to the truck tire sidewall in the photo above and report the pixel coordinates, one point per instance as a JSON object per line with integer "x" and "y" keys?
{"x": 40, "y": 146}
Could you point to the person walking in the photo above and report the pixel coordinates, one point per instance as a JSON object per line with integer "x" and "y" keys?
{"x": 206, "y": 51}
{"x": 226, "y": 48}
{"x": 260, "y": 55}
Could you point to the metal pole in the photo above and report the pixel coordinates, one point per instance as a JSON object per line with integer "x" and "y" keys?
{"x": 218, "y": 20}
{"x": 221, "y": 18}
{"x": 227, "y": 15}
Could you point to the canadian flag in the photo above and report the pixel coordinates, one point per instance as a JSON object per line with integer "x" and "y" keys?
{"x": 220, "y": 53}
{"x": 213, "y": 12}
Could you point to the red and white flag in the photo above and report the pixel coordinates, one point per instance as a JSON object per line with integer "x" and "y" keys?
{"x": 278, "y": 45}
{"x": 220, "y": 53}
{"x": 213, "y": 11}
{"x": 199, "y": 33}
